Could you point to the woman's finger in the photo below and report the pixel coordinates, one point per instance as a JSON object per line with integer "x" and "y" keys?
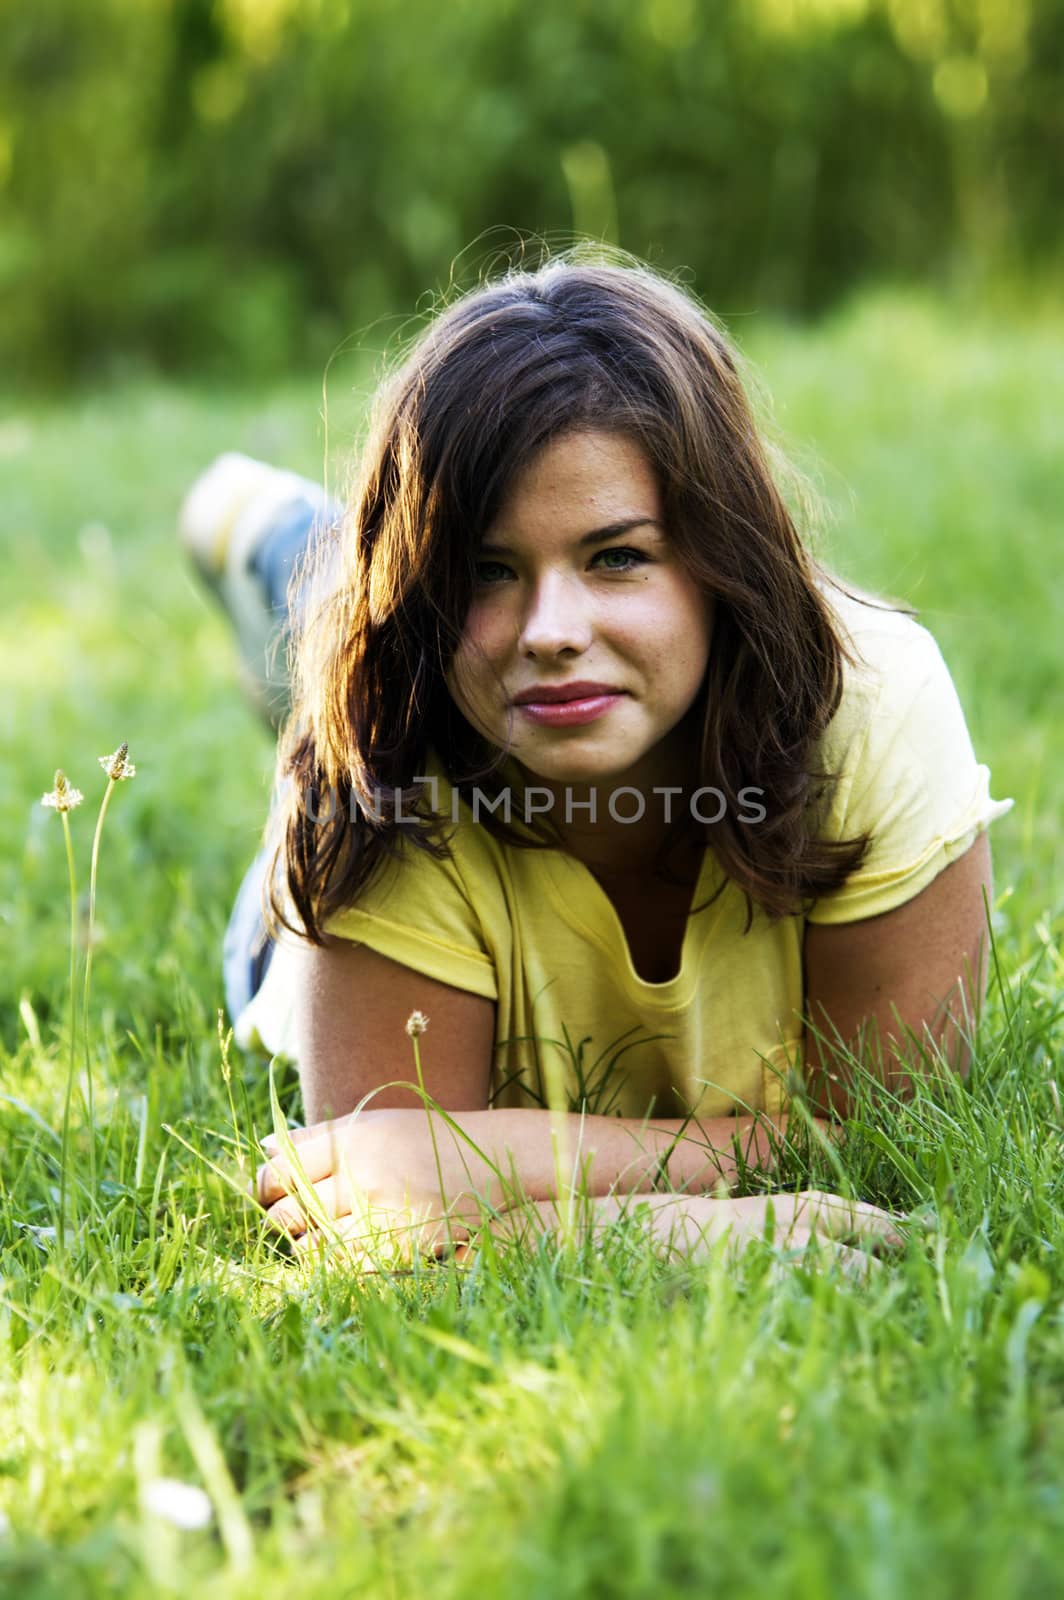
{"x": 860, "y": 1265}
{"x": 835, "y": 1217}
{"x": 289, "y": 1214}
{"x": 319, "y": 1153}
{"x": 378, "y": 1237}
{"x": 826, "y": 1254}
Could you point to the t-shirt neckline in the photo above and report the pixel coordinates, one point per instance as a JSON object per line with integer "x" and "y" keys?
{"x": 602, "y": 926}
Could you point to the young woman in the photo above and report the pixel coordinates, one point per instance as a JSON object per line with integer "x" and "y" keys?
{"x": 589, "y": 761}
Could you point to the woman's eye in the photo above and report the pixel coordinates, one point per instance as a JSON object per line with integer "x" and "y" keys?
{"x": 492, "y": 572}
{"x": 617, "y": 559}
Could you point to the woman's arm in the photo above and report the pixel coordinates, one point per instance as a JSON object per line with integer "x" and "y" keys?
{"x": 685, "y": 1225}
{"x": 353, "y": 1007}
{"x": 424, "y": 1164}
{"x": 889, "y": 983}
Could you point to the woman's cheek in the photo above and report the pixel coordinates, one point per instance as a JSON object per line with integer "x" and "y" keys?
{"x": 473, "y": 686}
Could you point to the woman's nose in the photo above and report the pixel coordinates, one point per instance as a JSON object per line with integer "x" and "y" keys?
{"x": 558, "y": 618}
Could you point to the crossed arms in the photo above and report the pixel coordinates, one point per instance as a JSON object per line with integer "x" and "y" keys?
{"x": 881, "y": 987}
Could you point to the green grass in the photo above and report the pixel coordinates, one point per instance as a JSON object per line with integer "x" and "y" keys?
{"x": 558, "y": 1423}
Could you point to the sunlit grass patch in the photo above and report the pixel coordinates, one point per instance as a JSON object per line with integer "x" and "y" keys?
{"x": 572, "y": 1417}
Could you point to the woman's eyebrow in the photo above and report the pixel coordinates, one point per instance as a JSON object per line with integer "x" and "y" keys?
{"x": 612, "y": 530}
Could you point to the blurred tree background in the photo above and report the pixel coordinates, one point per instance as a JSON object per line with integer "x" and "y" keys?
{"x": 237, "y": 185}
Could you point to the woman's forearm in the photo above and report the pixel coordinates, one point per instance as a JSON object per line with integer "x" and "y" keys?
{"x": 677, "y": 1223}
{"x": 539, "y": 1154}
{"x": 690, "y": 1225}
{"x": 431, "y": 1162}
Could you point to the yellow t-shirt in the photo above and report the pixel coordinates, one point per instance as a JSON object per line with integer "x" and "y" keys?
{"x": 532, "y": 930}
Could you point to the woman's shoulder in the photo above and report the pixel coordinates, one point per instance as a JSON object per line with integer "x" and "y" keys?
{"x": 878, "y": 635}
{"x": 890, "y": 660}
{"x": 902, "y": 768}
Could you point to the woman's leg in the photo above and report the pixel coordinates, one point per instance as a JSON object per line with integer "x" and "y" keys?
{"x": 247, "y": 526}
{"x": 247, "y": 947}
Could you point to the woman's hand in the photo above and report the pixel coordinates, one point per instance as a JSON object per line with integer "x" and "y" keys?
{"x": 391, "y": 1170}
{"x": 694, "y": 1224}
{"x": 850, "y": 1233}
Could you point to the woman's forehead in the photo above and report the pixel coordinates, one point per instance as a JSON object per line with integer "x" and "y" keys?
{"x": 585, "y": 477}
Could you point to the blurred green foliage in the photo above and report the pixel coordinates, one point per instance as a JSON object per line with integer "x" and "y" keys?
{"x": 241, "y": 183}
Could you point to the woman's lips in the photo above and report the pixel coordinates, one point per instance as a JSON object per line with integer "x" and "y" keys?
{"x": 585, "y": 707}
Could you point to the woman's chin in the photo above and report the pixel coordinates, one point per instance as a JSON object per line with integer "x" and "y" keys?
{"x": 573, "y": 773}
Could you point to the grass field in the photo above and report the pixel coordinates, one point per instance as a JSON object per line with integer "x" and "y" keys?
{"x": 556, "y": 1423}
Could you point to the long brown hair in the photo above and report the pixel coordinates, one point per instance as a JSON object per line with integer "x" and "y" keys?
{"x": 509, "y": 367}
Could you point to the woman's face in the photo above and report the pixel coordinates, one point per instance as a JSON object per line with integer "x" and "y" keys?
{"x": 587, "y": 639}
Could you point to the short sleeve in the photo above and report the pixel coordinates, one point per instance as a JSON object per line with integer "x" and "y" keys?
{"x": 907, "y": 774}
{"x": 419, "y": 911}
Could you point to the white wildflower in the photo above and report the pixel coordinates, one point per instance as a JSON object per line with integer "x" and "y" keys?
{"x": 63, "y": 797}
{"x": 116, "y": 766}
{"x": 185, "y": 1505}
{"x": 416, "y": 1023}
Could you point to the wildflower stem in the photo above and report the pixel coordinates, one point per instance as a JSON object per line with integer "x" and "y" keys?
{"x": 88, "y": 981}
{"x": 72, "y": 1068}
{"x": 414, "y": 1040}
{"x": 225, "y": 1039}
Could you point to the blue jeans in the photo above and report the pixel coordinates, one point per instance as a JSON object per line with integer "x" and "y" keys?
{"x": 247, "y": 947}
